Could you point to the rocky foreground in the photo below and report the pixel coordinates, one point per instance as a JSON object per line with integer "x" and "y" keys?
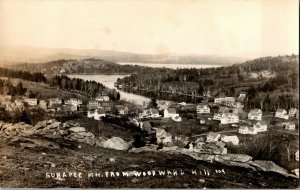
{"x": 54, "y": 154}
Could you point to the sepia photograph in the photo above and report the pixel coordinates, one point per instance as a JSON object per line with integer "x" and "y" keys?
{"x": 168, "y": 94}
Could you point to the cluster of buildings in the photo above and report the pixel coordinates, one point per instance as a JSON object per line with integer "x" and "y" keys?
{"x": 154, "y": 113}
{"x": 283, "y": 114}
{"x": 260, "y": 126}
{"x": 102, "y": 106}
{"x": 229, "y": 109}
{"x": 52, "y": 104}
{"x": 96, "y": 108}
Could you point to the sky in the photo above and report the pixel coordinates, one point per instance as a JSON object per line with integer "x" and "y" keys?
{"x": 202, "y": 27}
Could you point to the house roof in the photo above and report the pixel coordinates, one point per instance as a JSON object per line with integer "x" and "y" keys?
{"x": 255, "y": 112}
{"x": 217, "y": 114}
{"x": 293, "y": 110}
{"x": 202, "y": 106}
{"x": 243, "y": 128}
{"x": 55, "y": 99}
{"x": 73, "y": 99}
{"x": 67, "y": 107}
{"x": 177, "y": 118}
{"x": 251, "y": 129}
{"x": 30, "y": 99}
{"x": 261, "y": 123}
{"x": 223, "y": 109}
{"x": 213, "y": 135}
{"x": 238, "y": 104}
{"x": 120, "y": 107}
{"x": 171, "y": 110}
{"x": 162, "y": 133}
{"x": 162, "y": 103}
{"x": 280, "y": 110}
{"x": 290, "y": 123}
{"x": 229, "y": 115}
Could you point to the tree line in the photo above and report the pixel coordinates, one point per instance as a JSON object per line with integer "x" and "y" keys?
{"x": 90, "y": 88}
{"x": 35, "y": 77}
{"x": 6, "y": 88}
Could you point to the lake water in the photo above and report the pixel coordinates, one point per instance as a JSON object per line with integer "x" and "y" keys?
{"x": 170, "y": 66}
{"x": 108, "y": 81}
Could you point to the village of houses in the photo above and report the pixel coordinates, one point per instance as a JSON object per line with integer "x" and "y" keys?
{"x": 233, "y": 127}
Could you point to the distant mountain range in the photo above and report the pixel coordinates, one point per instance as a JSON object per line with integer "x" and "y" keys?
{"x": 21, "y": 54}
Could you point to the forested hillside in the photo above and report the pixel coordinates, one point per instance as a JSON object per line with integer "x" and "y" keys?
{"x": 31, "y": 76}
{"x": 271, "y": 82}
{"x": 81, "y": 66}
{"x": 90, "y": 88}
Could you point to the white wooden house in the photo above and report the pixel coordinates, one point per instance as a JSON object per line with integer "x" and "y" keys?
{"x": 261, "y": 126}
{"x": 255, "y": 114}
{"x": 122, "y": 110}
{"x": 243, "y": 130}
{"x": 163, "y": 137}
{"x": 203, "y": 109}
{"x": 73, "y": 101}
{"x": 253, "y": 75}
{"x": 238, "y": 106}
{"x": 227, "y": 101}
{"x": 292, "y": 112}
{"x": 102, "y": 97}
{"x": 162, "y": 105}
{"x": 217, "y": 116}
{"x": 99, "y": 113}
{"x": 170, "y": 112}
{"x": 228, "y": 118}
{"x": 281, "y": 113}
{"x": 19, "y": 103}
{"x": 290, "y": 126}
{"x": 230, "y": 139}
{"x": 93, "y": 104}
{"x": 242, "y": 95}
{"x": 152, "y": 112}
{"x": 223, "y": 109}
{"x": 31, "y": 101}
{"x": 247, "y": 130}
{"x": 54, "y": 101}
{"x": 212, "y": 137}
